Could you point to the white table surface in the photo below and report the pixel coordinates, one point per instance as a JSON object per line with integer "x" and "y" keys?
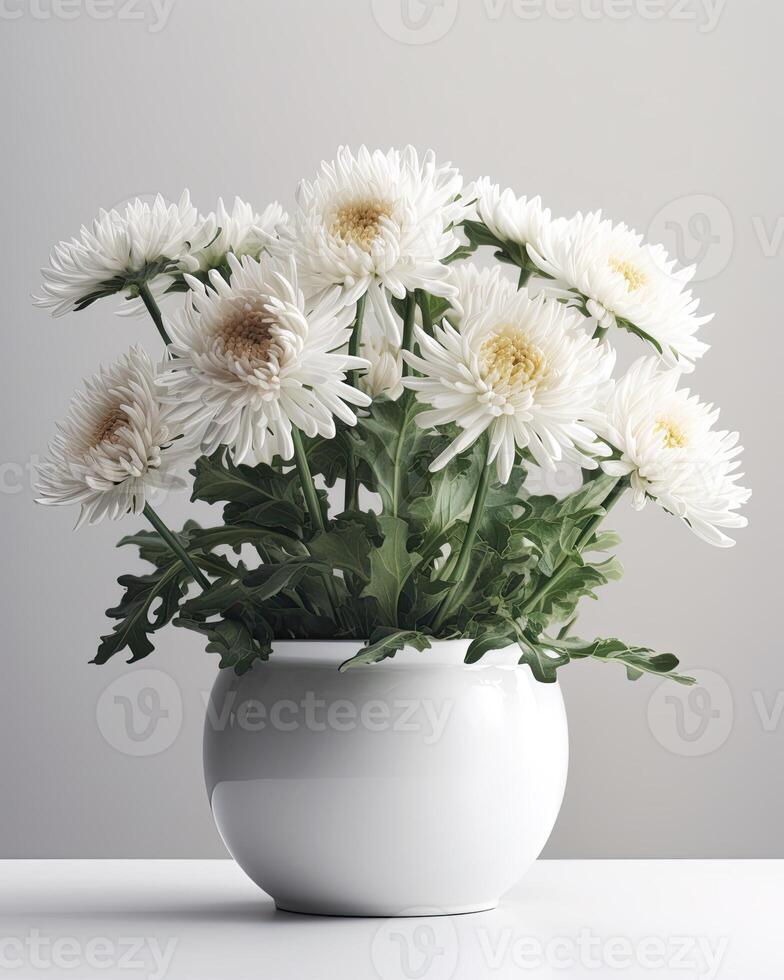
{"x": 205, "y": 919}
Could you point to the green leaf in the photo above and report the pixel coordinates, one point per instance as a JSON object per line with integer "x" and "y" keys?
{"x": 152, "y": 547}
{"x": 639, "y": 332}
{"x": 513, "y": 253}
{"x": 330, "y": 457}
{"x": 233, "y": 640}
{"x": 588, "y": 499}
{"x": 493, "y": 636}
{"x": 446, "y": 498}
{"x": 637, "y": 660}
{"x": 551, "y": 539}
{"x": 390, "y": 566}
{"x": 603, "y": 541}
{"x": 420, "y": 598}
{"x": 390, "y": 445}
{"x": 164, "y": 587}
{"x": 386, "y": 642}
{"x": 127, "y": 280}
{"x": 257, "y": 495}
{"x": 461, "y": 252}
{"x": 544, "y": 663}
{"x": 347, "y": 548}
{"x": 436, "y": 304}
{"x": 579, "y": 581}
{"x": 269, "y": 579}
{"x": 265, "y": 539}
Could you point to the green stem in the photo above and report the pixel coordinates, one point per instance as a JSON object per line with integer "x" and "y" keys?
{"x": 466, "y": 548}
{"x": 408, "y": 328}
{"x": 562, "y": 568}
{"x": 355, "y": 342}
{"x": 564, "y": 631}
{"x": 313, "y": 505}
{"x": 306, "y": 481}
{"x": 176, "y": 546}
{"x": 525, "y": 275}
{"x": 154, "y": 310}
{"x": 409, "y": 403}
{"x": 599, "y": 332}
{"x": 351, "y": 498}
{"x": 423, "y": 302}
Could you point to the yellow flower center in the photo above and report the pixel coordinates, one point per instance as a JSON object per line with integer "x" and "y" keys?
{"x": 247, "y": 335}
{"x": 509, "y": 357}
{"x": 635, "y": 278}
{"x": 672, "y": 434}
{"x": 358, "y": 223}
{"x": 106, "y": 430}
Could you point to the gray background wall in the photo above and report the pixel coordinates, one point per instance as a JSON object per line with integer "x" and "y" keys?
{"x": 665, "y": 114}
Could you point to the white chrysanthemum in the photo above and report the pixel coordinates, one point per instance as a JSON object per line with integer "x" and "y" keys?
{"x": 510, "y": 218}
{"x": 117, "y": 443}
{"x": 385, "y": 374}
{"x": 242, "y": 231}
{"x": 251, "y": 360}
{"x": 381, "y": 339}
{"x": 475, "y": 289}
{"x": 671, "y": 451}
{"x": 623, "y": 280}
{"x": 377, "y": 220}
{"x": 519, "y": 368}
{"x": 120, "y": 250}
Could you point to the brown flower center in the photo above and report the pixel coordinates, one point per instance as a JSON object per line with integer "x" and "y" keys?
{"x": 358, "y": 223}
{"x": 110, "y": 424}
{"x": 247, "y": 335}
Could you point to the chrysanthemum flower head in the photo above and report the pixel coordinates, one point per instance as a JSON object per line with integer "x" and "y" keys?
{"x": 122, "y": 250}
{"x": 475, "y": 289}
{"x": 117, "y": 444}
{"x": 671, "y": 452}
{"x": 241, "y": 231}
{"x": 381, "y": 221}
{"x": 625, "y": 282}
{"x": 384, "y": 375}
{"x": 252, "y": 359}
{"x": 518, "y": 368}
{"x": 510, "y": 218}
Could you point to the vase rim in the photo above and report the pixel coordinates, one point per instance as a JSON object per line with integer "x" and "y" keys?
{"x": 440, "y": 653}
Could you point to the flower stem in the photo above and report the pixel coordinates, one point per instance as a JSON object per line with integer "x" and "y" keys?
{"x": 424, "y": 305}
{"x": 306, "y": 481}
{"x": 356, "y": 335}
{"x": 313, "y": 505}
{"x": 525, "y": 275}
{"x": 154, "y": 310}
{"x": 466, "y": 548}
{"x": 351, "y": 498}
{"x": 175, "y": 544}
{"x": 561, "y": 569}
{"x": 408, "y": 328}
{"x": 599, "y": 332}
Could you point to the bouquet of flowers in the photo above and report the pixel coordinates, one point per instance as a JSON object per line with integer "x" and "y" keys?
{"x": 375, "y": 413}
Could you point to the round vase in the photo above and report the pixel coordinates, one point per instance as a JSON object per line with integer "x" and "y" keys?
{"x": 418, "y": 785}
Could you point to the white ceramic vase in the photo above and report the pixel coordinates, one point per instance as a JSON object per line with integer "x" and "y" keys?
{"x": 419, "y": 784}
